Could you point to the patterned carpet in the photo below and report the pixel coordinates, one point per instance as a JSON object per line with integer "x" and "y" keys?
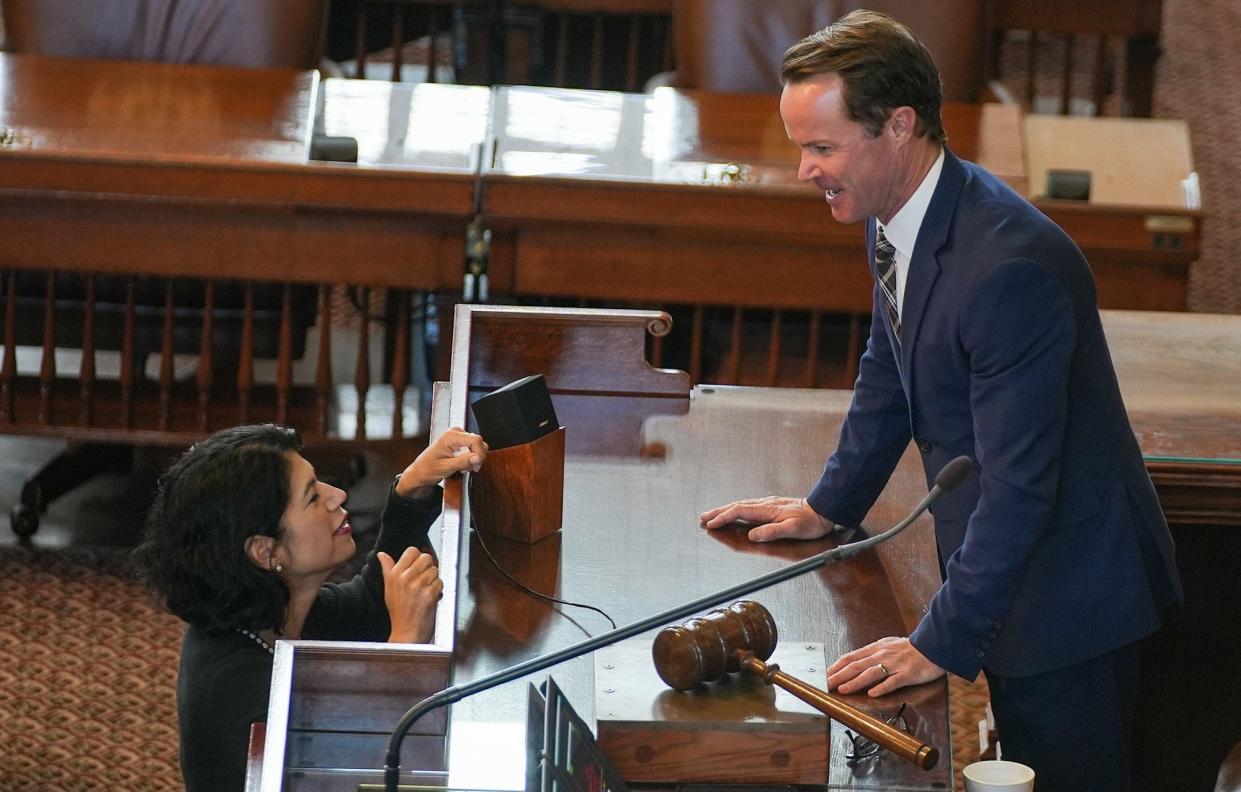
{"x": 88, "y": 669}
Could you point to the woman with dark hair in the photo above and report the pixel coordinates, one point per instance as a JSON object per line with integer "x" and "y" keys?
{"x": 240, "y": 542}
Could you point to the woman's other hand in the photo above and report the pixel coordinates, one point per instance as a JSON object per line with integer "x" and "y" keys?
{"x": 412, "y": 586}
{"x": 455, "y": 451}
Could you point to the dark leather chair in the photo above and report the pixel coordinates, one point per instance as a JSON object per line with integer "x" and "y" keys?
{"x": 725, "y": 46}
{"x": 254, "y": 33}
{"x": 245, "y": 33}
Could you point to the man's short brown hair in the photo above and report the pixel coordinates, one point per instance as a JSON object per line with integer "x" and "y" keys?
{"x": 883, "y": 66}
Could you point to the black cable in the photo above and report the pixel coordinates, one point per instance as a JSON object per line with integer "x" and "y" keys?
{"x": 469, "y": 486}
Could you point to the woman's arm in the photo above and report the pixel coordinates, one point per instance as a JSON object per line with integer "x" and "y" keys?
{"x": 360, "y": 609}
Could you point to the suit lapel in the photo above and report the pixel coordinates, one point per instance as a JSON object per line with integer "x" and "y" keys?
{"x": 924, "y": 265}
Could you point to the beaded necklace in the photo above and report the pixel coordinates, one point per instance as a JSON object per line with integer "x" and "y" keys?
{"x": 258, "y": 640}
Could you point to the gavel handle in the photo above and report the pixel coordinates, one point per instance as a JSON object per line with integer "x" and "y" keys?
{"x": 906, "y": 746}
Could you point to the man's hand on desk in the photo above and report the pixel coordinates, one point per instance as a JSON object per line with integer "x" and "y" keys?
{"x": 776, "y": 518}
{"x": 883, "y": 666}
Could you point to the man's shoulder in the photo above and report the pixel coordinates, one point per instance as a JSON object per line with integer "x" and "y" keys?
{"x": 984, "y": 187}
{"x": 990, "y": 224}
{"x": 989, "y": 207}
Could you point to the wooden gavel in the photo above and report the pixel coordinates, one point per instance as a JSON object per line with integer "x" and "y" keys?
{"x": 743, "y": 636}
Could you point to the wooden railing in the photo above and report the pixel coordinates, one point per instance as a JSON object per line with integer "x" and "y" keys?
{"x": 102, "y": 363}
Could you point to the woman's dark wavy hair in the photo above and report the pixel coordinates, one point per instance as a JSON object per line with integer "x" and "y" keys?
{"x": 231, "y": 486}
{"x": 883, "y": 66}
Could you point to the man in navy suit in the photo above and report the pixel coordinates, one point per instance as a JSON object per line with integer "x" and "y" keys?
{"x": 985, "y": 341}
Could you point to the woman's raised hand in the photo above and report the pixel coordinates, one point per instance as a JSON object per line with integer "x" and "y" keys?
{"x": 455, "y": 451}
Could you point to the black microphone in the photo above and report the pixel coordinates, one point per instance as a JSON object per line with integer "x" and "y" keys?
{"x": 949, "y": 477}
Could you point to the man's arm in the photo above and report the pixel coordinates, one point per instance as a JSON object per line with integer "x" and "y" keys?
{"x": 874, "y": 435}
{"x": 872, "y": 439}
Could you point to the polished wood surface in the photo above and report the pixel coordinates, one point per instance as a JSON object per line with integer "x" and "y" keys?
{"x": 333, "y": 705}
{"x": 1181, "y": 379}
{"x": 1183, "y": 366}
{"x": 201, "y": 174}
{"x": 656, "y": 735}
{"x": 1180, "y": 375}
{"x": 676, "y": 196}
{"x": 638, "y": 475}
{"x": 425, "y": 127}
{"x": 206, "y": 173}
{"x": 632, "y": 545}
{"x": 636, "y": 478}
{"x": 1141, "y": 228}
{"x": 254, "y": 757}
{"x": 125, "y": 109}
{"x": 683, "y": 197}
{"x": 520, "y": 494}
{"x": 742, "y": 637}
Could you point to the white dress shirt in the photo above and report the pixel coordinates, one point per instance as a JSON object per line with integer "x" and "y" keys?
{"x": 902, "y": 230}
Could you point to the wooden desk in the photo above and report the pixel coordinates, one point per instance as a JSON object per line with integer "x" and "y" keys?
{"x": 680, "y": 197}
{"x": 1142, "y": 225}
{"x": 1180, "y": 375}
{"x": 643, "y": 461}
{"x": 642, "y": 465}
{"x": 1181, "y": 378}
{"x": 196, "y": 170}
{"x": 202, "y": 174}
{"x": 683, "y": 197}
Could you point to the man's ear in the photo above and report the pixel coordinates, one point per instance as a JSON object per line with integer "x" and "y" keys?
{"x": 903, "y": 123}
{"x": 261, "y": 551}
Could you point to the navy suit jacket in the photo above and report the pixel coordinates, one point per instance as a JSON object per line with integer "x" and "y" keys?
{"x": 1055, "y": 550}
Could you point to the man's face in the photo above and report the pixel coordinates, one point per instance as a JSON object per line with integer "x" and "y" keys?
{"x": 859, "y": 175}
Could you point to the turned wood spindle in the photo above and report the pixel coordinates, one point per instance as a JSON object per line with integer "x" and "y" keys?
{"x": 743, "y": 636}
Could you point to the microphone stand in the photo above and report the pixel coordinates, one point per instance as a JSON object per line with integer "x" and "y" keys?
{"x": 949, "y": 477}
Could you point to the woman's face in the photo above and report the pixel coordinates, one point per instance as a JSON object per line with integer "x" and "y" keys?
{"x": 317, "y": 535}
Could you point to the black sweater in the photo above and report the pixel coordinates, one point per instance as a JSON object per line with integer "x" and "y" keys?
{"x": 223, "y": 683}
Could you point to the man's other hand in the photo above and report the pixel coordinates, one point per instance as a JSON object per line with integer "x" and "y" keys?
{"x": 773, "y": 518}
{"x": 881, "y": 667}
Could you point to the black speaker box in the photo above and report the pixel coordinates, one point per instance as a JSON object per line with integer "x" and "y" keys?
{"x": 516, "y": 413}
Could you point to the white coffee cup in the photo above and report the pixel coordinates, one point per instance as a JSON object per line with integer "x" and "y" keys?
{"x": 998, "y": 776}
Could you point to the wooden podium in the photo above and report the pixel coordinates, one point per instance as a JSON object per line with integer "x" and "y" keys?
{"x": 735, "y": 730}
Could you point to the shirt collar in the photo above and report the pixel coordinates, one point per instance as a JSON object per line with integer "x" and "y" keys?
{"x": 902, "y": 231}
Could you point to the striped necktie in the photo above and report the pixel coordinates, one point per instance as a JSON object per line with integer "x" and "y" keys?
{"x": 885, "y": 270}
